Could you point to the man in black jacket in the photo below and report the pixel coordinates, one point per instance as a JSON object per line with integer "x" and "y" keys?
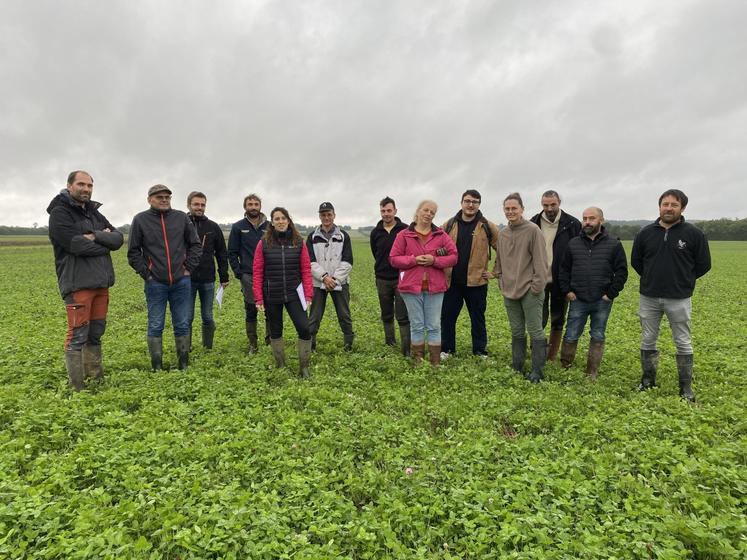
{"x": 164, "y": 249}
{"x": 558, "y": 228}
{"x": 669, "y": 255}
{"x": 203, "y": 277}
{"x": 592, "y": 274}
{"x": 82, "y": 239}
{"x": 387, "y": 278}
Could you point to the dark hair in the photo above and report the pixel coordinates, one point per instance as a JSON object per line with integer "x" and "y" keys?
{"x": 269, "y": 237}
{"x": 514, "y": 196}
{"x": 73, "y": 174}
{"x": 387, "y": 200}
{"x": 675, "y": 193}
{"x": 550, "y": 194}
{"x": 195, "y": 194}
{"x": 252, "y": 197}
{"x": 473, "y": 193}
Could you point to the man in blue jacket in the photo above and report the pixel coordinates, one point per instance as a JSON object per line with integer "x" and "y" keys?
{"x": 83, "y": 240}
{"x": 669, "y": 255}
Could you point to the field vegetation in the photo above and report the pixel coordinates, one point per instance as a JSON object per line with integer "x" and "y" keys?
{"x": 370, "y": 458}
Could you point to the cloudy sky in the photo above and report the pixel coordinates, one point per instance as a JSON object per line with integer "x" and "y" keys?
{"x": 348, "y": 101}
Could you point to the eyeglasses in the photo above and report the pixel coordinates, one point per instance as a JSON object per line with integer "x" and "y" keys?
{"x": 471, "y": 202}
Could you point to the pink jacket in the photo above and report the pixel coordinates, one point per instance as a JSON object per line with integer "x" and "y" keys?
{"x": 407, "y": 246}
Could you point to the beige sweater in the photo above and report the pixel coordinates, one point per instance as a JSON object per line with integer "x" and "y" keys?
{"x": 521, "y": 260}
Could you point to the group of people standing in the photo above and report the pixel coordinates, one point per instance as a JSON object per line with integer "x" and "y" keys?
{"x": 547, "y": 267}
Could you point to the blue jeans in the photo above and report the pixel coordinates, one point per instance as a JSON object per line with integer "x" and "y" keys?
{"x": 579, "y": 311}
{"x": 424, "y": 310}
{"x": 206, "y": 291}
{"x": 177, "y": 295}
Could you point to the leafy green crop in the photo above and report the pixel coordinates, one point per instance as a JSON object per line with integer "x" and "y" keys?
{"x": 370, "y": 458}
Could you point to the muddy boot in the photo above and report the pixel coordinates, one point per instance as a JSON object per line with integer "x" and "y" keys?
{"x": 208, "y": 333}
{"x": 75, "y": 371}
{"x": 435, "y": 354}
{"x": 313, "y": 343}
{"x": 304, "y": 358}
{"x": 155, "y": 349}
{"x": 251, "y": 335}
{"x": 539, "y": 357}
{"x": 552, "y": 349}
{"x": 267, "y": 333}
{"x": 417, "y": 351}
{"x": 347, "y": 343}
{"x": 518, "y": 353}
{"x": 685, "y": 372}
{"x": 190, "y": 338}
{"x": 389, "y": 337}
{"x": 278, "y": 351}
{"x": 568, "y": 353}
{"x": 649, "y": 362}
{"x": 182, "y": 351}
{"x": 594, "y": 358}
{"x": 92, "y": 363}
{"x": 404, "y": 340}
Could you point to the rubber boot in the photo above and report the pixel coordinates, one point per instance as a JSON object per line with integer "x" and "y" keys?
{"x": 685, "y": 372}
{"x": 251, "y": 335}
{"x": 389, "y": 338}
{"x": 539, "y": 357}
{"x": 267, "y": 332}
{"x": 435, "y": 354}
{"x": 155, "y": 349}
{"x": 182, "y": 351}
{"x": 649, "y": 363}
{"x": 417, "y": 351}
{"x": 278, "y": 351}
{"x": 347, "y": 343}
{"x": 92, "y": 363}
{"x": 313, "y": 343}
{"x": 568, "y": 353}
{"x": 304, "y": 358}
{"x": 552, "y": 349}
{"x": 404, "y": 340}
{"x": 518, "y": 353}
{"x": 75, "y": 371}
{"x": 190, "y": 338}
{"x": 594, "y": 358}
{"x": 208, "y": 334}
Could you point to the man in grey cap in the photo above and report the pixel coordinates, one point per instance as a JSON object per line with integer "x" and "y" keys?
{"x": 331, "y": 256}
{"x": 164, "y": 249}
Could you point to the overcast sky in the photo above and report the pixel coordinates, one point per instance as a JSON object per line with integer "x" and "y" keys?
{"x": 348, "y": 101}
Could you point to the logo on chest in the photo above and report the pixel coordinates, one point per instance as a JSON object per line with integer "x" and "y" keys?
{"x": 681, "y": 244}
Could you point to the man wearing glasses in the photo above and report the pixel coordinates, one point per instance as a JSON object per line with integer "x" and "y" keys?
{"x": 474, "y": 236}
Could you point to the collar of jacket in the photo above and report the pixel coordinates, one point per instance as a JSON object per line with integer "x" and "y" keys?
{"x": 262, "y": 221}
{"x": 336, "y": 233}
{"x": 434, "y": 229}
{"x": 64, "y": 198}
{"x": 194, "y": 218}
{"x": 380, "y": 224}
{"x": 602, "y": 234}
{"x": 657, "y": 223}
{"x": 157, "y": 212}
{"x": 522, "y": 222}
{"x": 479, "y": 218}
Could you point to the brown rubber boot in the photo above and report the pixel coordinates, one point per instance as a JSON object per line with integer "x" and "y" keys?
{"x": 92, "y": 364}
{"x": 417, "y": 351}
{"x": 594, "y": 358}
{"x": 278, "y": 351}
{"x": 435, "y": 354}
{"x": 74, "y": 366}
{"x": 552, "y": 348}
{"x": 568, "y": 353}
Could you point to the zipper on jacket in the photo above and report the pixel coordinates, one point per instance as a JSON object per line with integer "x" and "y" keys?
{"x": 282, "y": 260}
{"x": 168, "y": 251}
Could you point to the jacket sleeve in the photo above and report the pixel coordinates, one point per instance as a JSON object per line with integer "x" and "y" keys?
{"x": 372, "y": 242}
{"x": 397, "y": 257}
{"x": 564, "y": 276}
{"x": 620, "y": 271}
{"x": 702, "y": 257}
{"x": 342, "y": 272}
{"x": 135, "y": 255}
{"x": 258, "y": 274}
{"x": 192, "y": 242}
{"x": 451, "y": 257}
{"x": 63, "y": 232}
{"x": 540, "y": 272}
{"x": 308, "y": 286}
{"x": 636, "y": 259}
{"x": 317, "y": 271}
{"x": 221, "y": 255}
{"x": 112, "y": 240}
{"x": 234, "y": 247}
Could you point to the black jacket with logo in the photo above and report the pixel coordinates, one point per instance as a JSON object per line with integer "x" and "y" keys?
{"x": 81, "y": 264}
{"x": 568, "y": 228}
{"x": 381, "y": 244}
{"x": 242, "y": 241}
{"x": 670, "y": 260}
{"x": 213, "y": 245}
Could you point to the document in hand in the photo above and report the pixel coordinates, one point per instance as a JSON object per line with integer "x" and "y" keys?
{"x": 219, "y": 296}
{"x": 301, "y": 296}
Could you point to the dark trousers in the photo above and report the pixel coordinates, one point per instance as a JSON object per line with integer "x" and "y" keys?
{"x": 341, "y": 299}
{"x": 391, "y": 303}
{"x": 248, "y": 291}
{"x": 274, "y": 314}
{"x": 476, "y": 298}
{"x": 554, "y": 309}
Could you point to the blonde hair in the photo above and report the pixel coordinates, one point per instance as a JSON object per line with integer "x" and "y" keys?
{"x": 421, "y": 204}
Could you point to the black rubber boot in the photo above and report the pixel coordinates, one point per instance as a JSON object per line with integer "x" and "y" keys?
{"x": 539, "y": 357}
{"x": 208, "y": 333}
{"x": 278, "y": 351}
{"x": 347, "y": 343}
{"x": 92, "y": 363}
{"x": 75, "y": 371}
{"x": 251, "y": 335}
{"x": 304, "y": 358}
{"x": 155, "y": 349}
{"x": 404, "y": 340}
{"x": 182, "y": 351}
{"x": 685, "y": 372}
{"x": 389, "y": 337}
{"x": 649, "y": 363}
{"x": 518, "y": 353}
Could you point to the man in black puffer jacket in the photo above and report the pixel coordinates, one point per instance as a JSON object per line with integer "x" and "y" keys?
{"x": 592, "y": 274}
{"x": 82, "y": 239}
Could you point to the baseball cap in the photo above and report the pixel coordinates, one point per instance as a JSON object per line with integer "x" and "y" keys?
{"x": 326, "y": 207}
{"x": 155, "y": 189}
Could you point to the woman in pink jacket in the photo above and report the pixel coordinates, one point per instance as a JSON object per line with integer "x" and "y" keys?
{"x": 421, "y": 253}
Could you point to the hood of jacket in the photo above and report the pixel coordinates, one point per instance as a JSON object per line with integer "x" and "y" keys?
{"x": 64, "y": 198}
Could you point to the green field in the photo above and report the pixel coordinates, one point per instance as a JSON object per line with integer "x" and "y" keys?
{"x": 370, "y": 458}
